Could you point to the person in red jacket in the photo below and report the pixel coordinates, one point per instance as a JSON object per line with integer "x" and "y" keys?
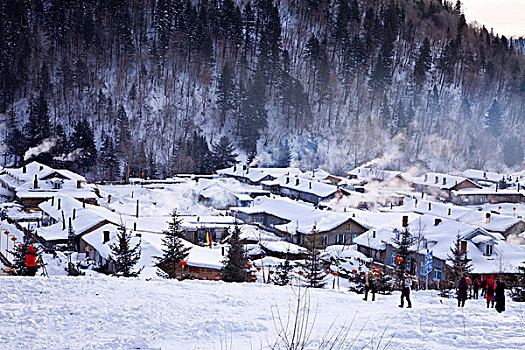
{"x": 31, "y": 261}
{"x": 491, "y": 288}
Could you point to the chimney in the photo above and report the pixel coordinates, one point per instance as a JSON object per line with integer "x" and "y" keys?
{"x": 487, "y": 218}
{"x": 437, "y": 221}
{"x": 449, "y": 211}
{"x": 70, "y": 223}
{"x": 496, "y": 187}
{"x": 416, "y": 202}
{"x": 444, "y": 181}
{"x": 24, "y": 169}
{"x": 429, "y": 206}
{"x": 235, "y": 167}
{"x": 374, "y": 234}
{"x": 35, "y": 183}
{"x": 198, "y": 219}
{"x": 63, "y": 221}
{"x": 296, "y": 182}
{"x": 74, "y": 213}
{"x": 41, "y": 167}
{"x": 244, "y": 168}
{"x": 426, "y": 178}
{"x": 79, "y": 183}
{"x": 247, "y": 170}
{"x": 287, "y": 180}
{"x": 484, "y": 174}
{"x": 518, "y": 187}
{"x": 437, "y": 180}
{"x": 53, "y": 201}
{"x": 106, "y": 236}
{"x": 137, "y": 212}
{"x": 84, "y": 203}
{"x": 59, "y": 203}
{"x": 464, "y": 247}
{"x": 222, "y": 250}
{"x": 134, "y": 226}
{"x": 405, "y": 221}
{"x": 310, "y": 185}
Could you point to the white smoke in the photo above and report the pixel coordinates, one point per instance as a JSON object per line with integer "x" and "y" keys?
{"x": 71, "y": 157}
{"x": 389, "y": 158}
{"x": 43, "y": 147}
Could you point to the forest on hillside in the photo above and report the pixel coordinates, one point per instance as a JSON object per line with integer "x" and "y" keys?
{"x": 115, "y": 88}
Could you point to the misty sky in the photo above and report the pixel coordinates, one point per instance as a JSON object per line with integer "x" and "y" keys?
{"x": 507, "y": 17}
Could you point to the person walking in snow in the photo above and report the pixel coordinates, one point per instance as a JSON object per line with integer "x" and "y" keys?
{"x": 500, "y": 296}
{"x": 484, "y": 287}
{"x": 489, "y": 294}
{"x": 462, "y": 292}
{"x": 31, "y": 261}
{"x": 370, "y": 286}
{"x": 405, "y": 292}
{"x": 476, "y": 286}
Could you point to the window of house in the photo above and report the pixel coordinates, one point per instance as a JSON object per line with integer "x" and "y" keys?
{"x": 324, "y": 241}
{"x": 348, "y": 226}
{"x": 488, "y": 249}
{"x": 340, "y": 239}
{"x": 354, "y": 237}
{"x": 437, "y": 273}
{"x": 393, "y": 258}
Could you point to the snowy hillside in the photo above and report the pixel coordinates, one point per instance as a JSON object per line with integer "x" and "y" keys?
{"x": 112, "y": 313}
{"x": 332, "y": 83}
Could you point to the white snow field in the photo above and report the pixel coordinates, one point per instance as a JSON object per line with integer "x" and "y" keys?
{"x": 111, "y": 313}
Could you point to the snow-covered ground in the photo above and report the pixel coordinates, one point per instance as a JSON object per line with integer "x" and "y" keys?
{"x": 111, "y": 313}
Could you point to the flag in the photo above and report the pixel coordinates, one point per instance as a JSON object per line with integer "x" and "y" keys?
{"x": 208, "y": 239}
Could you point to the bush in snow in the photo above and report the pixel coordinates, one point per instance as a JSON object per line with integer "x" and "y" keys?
{"x": 124, "y": 257}
{"x": 314, "y": 265}
{"x": 282, "y": 273}
{"x": 460, "y": 263}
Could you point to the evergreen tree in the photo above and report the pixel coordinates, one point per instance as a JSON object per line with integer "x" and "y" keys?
{"x": 123, "y": 141}
{"x": 235, "y": 268}
{"x": 108, "y": 159}
{"x": 284, "y": 155}
{"x": 314, "y": 265}
{"x": 38, "y": 129}
{"x": 71, "y": 245}
{"x": 223, "y": 155}
{"x": 282, "y": 273}
{"x": 61, "y": 149}
{"x": 460, "y": 263}
{"x": 493, "y": 119}
{"x": 518, "y": 293}
{"x": 173, "y": 249}
{"x": 423, "y": 62}
{"x": 404, "y": 241}
{"x": 83, "y": 140}
{"x": 123, "y": 256}
{"x": 225, "y": 92}
{"x": 16, "y": 145}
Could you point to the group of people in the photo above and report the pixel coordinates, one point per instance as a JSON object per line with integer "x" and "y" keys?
{"x": 494, "y": 292}
{"x": 370, "y": 287}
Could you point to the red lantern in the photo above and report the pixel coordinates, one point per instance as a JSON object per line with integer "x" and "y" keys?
{"x": 193, "y": 278}
{"x": 217, "y": 278}
{"x": 6, "y": 232}
{"x": 183, "y": 263}
{"x": 499, "y": 207}
{"x": 327, "y": 272}
{"x": 468, "y": 280}
{"x": 259, "y": 268}
{"x": 354, "y": 271}
{"x": 20, "y": 246}
{"x": 363, "y": 273}
{"x": 300, "y": 272}
{"x": 254, "y": 276}
{"x": 13, "y": 238}
{"x": 334, "y": 273}
{"x": 376, "y": 275}
{"x": 249, "y": 265}
{"x": 309, "y": 276}
{"x": 272, "y": 272}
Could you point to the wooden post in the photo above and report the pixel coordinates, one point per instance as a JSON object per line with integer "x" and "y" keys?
{"x": 137, "y": 213}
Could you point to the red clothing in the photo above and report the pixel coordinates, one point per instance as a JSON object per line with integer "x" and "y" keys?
{"x": 30, "y": 257}
{"x": 491, "y": 287}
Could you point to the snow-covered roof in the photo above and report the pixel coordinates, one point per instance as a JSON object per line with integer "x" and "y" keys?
{"x": 491, "y": 176}
{"x": 257, "y": 174}
{"x": 282, "y": 247}
{"x": 497, "y": 223}
{"x": 443, "y": 181}
{"x": 373, "y": 174}
{"x": 319, "y": 189}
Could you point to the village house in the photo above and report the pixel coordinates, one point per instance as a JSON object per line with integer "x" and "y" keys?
{"x": 437, "y": 235}
{"x": 254, "y": 176}
{"x": 295, "y": 221}
{"x": 474, "y": 196}
{"x": 303, "y": 188}
{"x": 441, "y": 186}
{"x": 224, "y": 193}
{"x": 35, "y": 183}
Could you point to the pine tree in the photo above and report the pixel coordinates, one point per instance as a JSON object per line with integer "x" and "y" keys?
{"x": 173, "y": 249}
{"x": 235, "y": 268}
{"x": 460, "y": 263}
{"x": 108, "y": 159}
{"x": 225, "y": 92}
{"x": 313, "y": 264}
{"x": 123, "y": 256}
{"x": 423, "y": 62}
{"x": 282, "y": 273}
{"x": 493, "y": 119}
{"x": 284, "y": 155}
{"x": 404, "y": 242}
{"x": 83, "y": 140}
{"x": 16, "y": 145}
{"x": 37, "y": 129}
{"x": 518, "y": 293}
{"x": 223, "y": 155}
